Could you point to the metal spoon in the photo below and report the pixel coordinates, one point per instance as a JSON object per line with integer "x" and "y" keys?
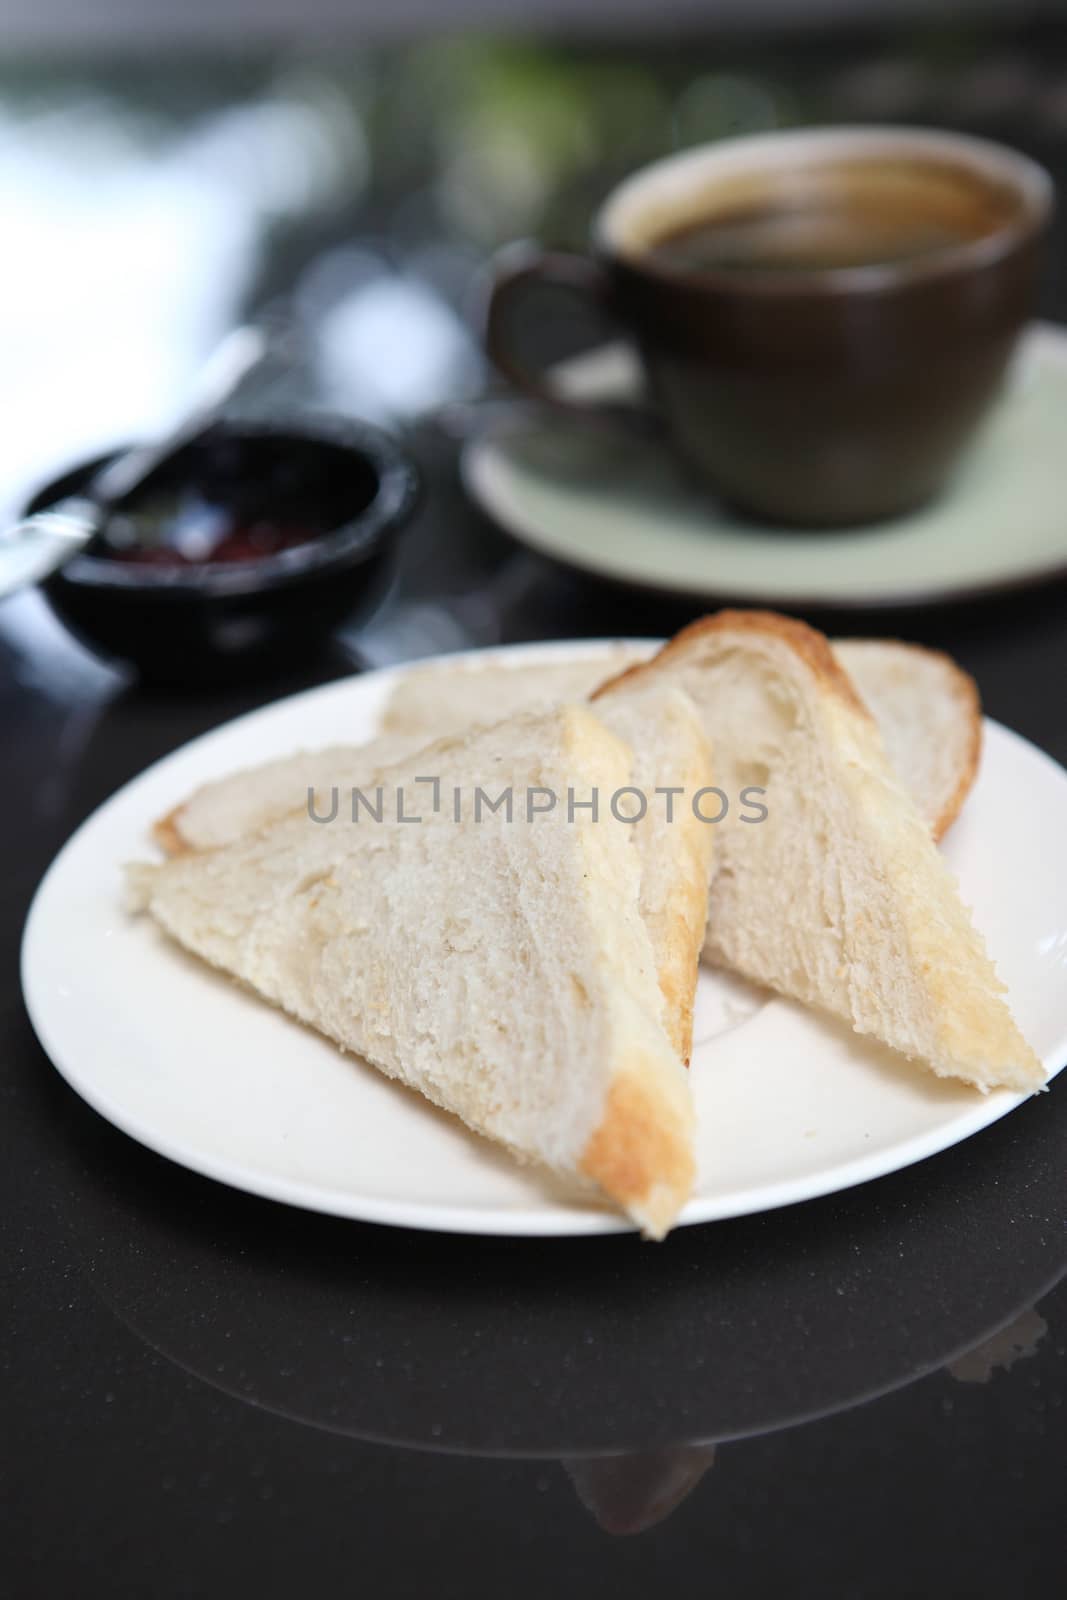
{"x": 36, "y": 546}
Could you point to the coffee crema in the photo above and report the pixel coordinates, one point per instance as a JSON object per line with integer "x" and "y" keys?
{"x": 844, "y": 219}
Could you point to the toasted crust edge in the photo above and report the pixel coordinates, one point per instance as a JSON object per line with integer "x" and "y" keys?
{"x": 811, "y": 646}
{"x": 965, "y": 691}
{"x": 641, "y": 1151}
{"x": 679, "y": 971}
{"x": 682, "y": 926}
{"x": 168, "y": 835}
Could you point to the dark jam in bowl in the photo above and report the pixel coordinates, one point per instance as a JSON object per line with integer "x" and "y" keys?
{"x": 192, "y": 532}
{"x": 237, "y": 506}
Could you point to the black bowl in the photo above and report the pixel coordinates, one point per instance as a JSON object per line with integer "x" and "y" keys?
{"x": 196, "y": 624}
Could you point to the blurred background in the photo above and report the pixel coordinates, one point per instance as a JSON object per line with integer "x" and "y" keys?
{"x": 167, "y": 170}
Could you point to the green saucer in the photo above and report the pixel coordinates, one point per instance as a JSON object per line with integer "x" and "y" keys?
{"x": 615, "y": 504}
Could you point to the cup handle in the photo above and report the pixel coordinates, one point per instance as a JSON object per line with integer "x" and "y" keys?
{"x": 522, "y": 267}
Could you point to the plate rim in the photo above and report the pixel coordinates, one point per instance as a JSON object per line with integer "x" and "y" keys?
{"x": 553, "y": 1219}
{"x": 482, "y": 473}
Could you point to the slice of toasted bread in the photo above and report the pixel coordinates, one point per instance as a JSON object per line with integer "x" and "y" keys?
{"x": 838, "y": 897}
{"x": 930, "y": 718}
{"x": 426, "y": 704}
{"x": 447, "y": 695}
{"x": 227, "y": 808}
{"x": 658, "y": 722}
{"x": 927, "y": 709}
{"x": 501, "y": 967}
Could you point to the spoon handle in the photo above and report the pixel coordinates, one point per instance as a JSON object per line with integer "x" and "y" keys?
{"x": 33, "y": 548}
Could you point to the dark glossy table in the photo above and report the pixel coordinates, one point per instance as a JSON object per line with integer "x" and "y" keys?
{"x": 206, "y": 1394}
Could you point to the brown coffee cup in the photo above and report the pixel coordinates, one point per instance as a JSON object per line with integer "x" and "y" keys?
{"x": 831, "y": 375}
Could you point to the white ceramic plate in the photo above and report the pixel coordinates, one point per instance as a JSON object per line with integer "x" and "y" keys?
{"x": 612, "y": 503}
{"x": 790, "y": 1104}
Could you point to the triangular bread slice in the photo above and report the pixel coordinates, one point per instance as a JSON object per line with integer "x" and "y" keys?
{"x": 838, "y": 897}
{"x": 659, "y": 724}
{"x": 930, "y": 717}
{"x": 501, "y": 967}
{"x": 452, "y": 694}
{"x": 426, "y": 704}
{"x": 926, "y": 707}
{"x": 228, "y": 808}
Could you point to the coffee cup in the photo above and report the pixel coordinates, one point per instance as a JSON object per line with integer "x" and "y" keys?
{"x": 823, "y": 316}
